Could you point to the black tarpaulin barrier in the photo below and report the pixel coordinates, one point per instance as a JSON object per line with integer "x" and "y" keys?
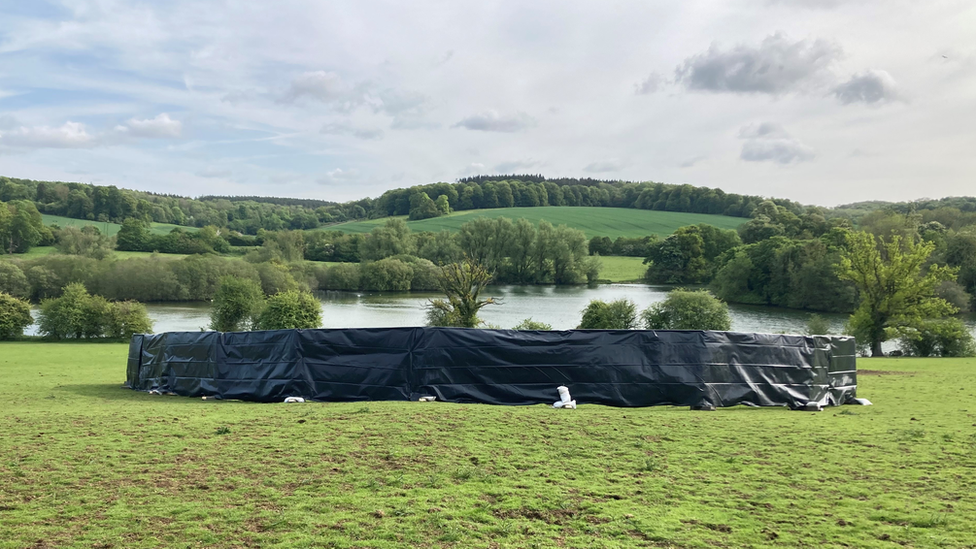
{"x": 612, "y": 367}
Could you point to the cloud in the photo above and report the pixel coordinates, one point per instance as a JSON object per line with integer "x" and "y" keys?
{"x": 474, "y": 168}
{"x": 649, "y": 85}
{"x": 871, "y": 86}
{"x": 609, "y": 165}
{"x": 8, "y": 122}
{"x": 70, "y": 135}
{"x": 398, "y": 102}
{"x": 327, "y": 87}
{"x": 812, "y": 4}
{"x": 769, "y": 142}
{"x": 339, "y": 175}
{"x": 359, "y": 133}
{"x": 160, "y": 127}
{"x": 491, "y": 121}
{"x": 776, "y": 66}
{"x": 691, "y": 161}
{"x": 511, "y": 166}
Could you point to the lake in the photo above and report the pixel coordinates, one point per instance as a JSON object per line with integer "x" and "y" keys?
{"x": 560, "y": 306}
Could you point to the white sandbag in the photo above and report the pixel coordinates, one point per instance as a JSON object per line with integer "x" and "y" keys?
{"x": 290, "y": 400}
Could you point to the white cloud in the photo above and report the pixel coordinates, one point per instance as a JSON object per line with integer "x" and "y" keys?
{"x": 512, "y": 165}
{"x": 339, "y": 175}
{"x": 160, "y": 127}
{"x": 492, "y": 121}
{"x": 777, "y": 65}
{"x": 212, "y": 172}
{"x": 769, "y": 142}
{"x": 649, "y": 85}
{"x": 345, "y": 129}
{"x": 871, "y": 86}
{"x": 323, "y": 86}
{"x": 604, "y": 166}
{"x": 70, "y": 135}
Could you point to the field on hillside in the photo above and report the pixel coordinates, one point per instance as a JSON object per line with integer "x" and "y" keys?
{"x": 612, "y": 222}
{"x": 38, "y": 251}
{"x": 85, "y": 463}
{"x": 622, "y": 269}
{"x": 108, "y": 228}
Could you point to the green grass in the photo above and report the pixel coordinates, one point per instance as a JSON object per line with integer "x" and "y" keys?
{"x": 109, "y": 229}
{"x": 39, "y": 251}
{"x": 622, "y": 269}
{"x": 84, "y": 463}
{"x": 612, "y": 222}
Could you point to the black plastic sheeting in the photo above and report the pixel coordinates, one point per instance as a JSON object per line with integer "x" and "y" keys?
{"x": 611, "y": 367}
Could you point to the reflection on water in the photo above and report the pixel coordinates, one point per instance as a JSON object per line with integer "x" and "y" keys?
{"x": 560, "y": 306}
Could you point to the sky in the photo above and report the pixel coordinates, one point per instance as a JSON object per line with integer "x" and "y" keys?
{"x": 820, "y": 101}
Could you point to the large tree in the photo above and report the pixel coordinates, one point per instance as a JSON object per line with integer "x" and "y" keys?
{"x": 462, "y": 284}
{"x": 894, "y": 288}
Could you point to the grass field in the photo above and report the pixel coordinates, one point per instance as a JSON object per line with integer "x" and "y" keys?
{"x": 84, "y": 463}
{"x": 108, "y": 228}
{"x": 612, "y": 222}
{"x": 39, "y": 251}
{"x": 622, "y": 269}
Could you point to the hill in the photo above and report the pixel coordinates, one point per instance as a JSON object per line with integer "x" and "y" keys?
{"x": 594, "y": 221}
{"x": 108, "y": 228}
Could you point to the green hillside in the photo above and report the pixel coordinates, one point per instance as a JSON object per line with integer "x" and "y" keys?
{"x": 593, "y": 221}
{"x": 105, "y": 227}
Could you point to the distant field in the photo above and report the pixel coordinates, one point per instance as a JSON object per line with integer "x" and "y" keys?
{"x": 622, "y": 269}
{"x": 85, "y": 463}
{"x": 612, "y": 222}
{"x": 39, "y": 251}
{"x": 108, "y": 228}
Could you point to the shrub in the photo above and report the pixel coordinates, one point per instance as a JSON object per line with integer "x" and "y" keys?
{"x": 236, "y": 305}
{"x": 688, "y": 310}
{"x": 529, "y": 324}
{"x": 344, "y": 276}
{"x": 290, "y": 310}
{"x": 275, "y": 278}
{"x": 13, "y": 281}
{"x": 75, "y": 314}
{"x": 942, "y": 337}
{"x": 616, "y": 315}
{"x": 386, "y": 275}
{"x": 817, "y": 325}
{"x": 14, "y": 316}
{"x": 126, "y": 318}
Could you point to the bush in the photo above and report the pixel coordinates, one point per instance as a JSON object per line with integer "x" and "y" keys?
{"x": 14, "y": 316}
{"x": 688, "y": 310}
{"x": 386, "y": 275}
{"x": 529, "y": 324}
{"x": 616, "y": 315}
{"x": 291, "y": 310}
{"x": 344, "y": 276}
{"x": 817, "y": 325}
{"x": 13, "y": 281}
{"x": 236, "y": 305}
{"x": 75, "y": 314}
{"x": 942, "y": 337}
{"x": 276, "y": 278}
{"x": 126, "y": 318}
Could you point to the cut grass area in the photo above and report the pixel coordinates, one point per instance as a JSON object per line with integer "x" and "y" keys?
{"x": 622, "y": 269}
{"x": 612, "y": 222}
{"x": 84, "y": 463}
{"x": 109, "y": 229}
{"x": 40, "y": 251}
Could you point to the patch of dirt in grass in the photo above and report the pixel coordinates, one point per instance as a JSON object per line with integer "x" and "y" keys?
{"x": 550, "y": 516}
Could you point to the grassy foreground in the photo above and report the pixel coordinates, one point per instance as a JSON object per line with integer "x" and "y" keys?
{"x": 612, "y": 222}
{"x": 84, "y": 463}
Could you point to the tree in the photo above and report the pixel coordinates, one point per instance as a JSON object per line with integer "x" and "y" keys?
{"x": 290, "y": 310}
{"x": 817, "y": 325}
{"x": 422, "y": 207}
{"x": 22, "y": 227}
{"x": 616, "y": 315}
{"x": 13, "y": 281}
{"x": 942, "y": 337}
{"x": 126, "y": 318}
{"x": 529, "y": 324}
{"x": 134, "y": 236}
{"x": 893, "y": 291}
{"x": 462, "y": 284}
{"x": 87, "y": 241}
{"x": 688, "y": 310}
{"x": 15, "y": 316}
{"x": 236, "y": 305}
{"x": 75, "y": 314}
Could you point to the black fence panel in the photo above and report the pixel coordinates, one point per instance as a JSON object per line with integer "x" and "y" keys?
{"x": 612, "y": 367}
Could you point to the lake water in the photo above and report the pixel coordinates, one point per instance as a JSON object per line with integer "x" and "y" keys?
{"x": 560, "y": 306}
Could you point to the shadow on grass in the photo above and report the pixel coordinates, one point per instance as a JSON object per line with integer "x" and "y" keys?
{"x": 110, "y": 391}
